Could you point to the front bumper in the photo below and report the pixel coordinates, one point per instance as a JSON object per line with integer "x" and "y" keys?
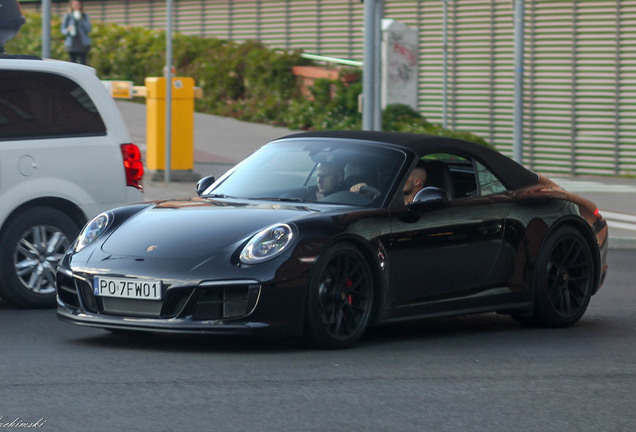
{"x": 239, "y": 307}
{"x": 174, "y": 325}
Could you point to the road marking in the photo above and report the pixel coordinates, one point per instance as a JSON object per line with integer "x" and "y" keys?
{"x": 622, "y": 221}
{"x": 619, "y": 220}
{"x": 592, "y": 186}
{"x": 621, "y": 225}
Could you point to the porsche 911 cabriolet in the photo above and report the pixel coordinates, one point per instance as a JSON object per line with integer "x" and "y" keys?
{"x": 320, "y": 235}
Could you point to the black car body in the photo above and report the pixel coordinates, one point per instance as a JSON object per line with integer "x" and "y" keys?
{"x": 260, "y": 251}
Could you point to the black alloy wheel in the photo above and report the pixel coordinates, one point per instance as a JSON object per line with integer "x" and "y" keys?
{"x": 340, "y": 298}
{"x": 564, "y": 279}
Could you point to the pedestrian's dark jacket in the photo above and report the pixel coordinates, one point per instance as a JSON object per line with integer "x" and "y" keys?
{"x": 81, "y": 42}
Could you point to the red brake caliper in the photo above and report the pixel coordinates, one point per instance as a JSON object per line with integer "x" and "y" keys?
{"x": 349, "y": 284}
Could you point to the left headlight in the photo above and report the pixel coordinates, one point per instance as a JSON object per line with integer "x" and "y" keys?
{"x": 267, "y": 244}
{"x": 92, "y": 231}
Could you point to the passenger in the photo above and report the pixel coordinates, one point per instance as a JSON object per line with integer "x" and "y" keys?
{"x": 414, "y": 183}
{"x": 330, "y": 179}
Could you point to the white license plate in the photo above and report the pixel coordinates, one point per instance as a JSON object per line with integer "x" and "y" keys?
{"x": 127, "y": 288}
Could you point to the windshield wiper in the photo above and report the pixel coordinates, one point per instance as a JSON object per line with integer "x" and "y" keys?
{"x": 213, "y": 195}
{"x": 285, "y": 199}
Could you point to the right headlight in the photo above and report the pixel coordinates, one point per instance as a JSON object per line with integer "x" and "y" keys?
{"x": 267, "y": 244}
{"x": 93, "y": 230}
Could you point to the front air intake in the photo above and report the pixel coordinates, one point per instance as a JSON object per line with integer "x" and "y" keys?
{"x": 226, "y": 302}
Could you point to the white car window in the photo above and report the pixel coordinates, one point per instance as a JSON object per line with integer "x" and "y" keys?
{"x": 41, "y": 105}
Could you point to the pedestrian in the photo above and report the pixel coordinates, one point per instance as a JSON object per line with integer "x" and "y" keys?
{"x": 76, "y": 26}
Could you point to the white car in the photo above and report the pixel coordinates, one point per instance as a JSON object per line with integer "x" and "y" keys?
{"x": 65, "y": 156}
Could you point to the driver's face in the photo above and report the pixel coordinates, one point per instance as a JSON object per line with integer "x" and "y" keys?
{"x": 328, "y": 179}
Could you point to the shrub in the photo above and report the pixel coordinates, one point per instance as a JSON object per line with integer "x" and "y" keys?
{"x": 29, "y": 38}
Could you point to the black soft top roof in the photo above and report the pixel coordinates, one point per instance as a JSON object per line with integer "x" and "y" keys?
{"x": 512, "y": 174}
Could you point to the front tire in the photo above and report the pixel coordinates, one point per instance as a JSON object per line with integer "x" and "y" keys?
{"x": 30, "y": 249}
{"x": 564, "y": 280}
{"x": 340, "y": 298}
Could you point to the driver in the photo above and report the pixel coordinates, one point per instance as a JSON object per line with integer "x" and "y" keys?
{"x": 414, "y": 183}
{"x": 330, "y": 179}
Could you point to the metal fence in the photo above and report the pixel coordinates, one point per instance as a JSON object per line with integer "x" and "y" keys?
{"x": 580, "y": 63}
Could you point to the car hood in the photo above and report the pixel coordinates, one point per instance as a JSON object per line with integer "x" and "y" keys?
{"x": 195, "y": 227}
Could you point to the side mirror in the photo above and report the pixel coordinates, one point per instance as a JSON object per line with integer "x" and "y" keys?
{"x": 11, "y": 20}
{"x": 428, "y": 196}
{"x": 203, "y": 184}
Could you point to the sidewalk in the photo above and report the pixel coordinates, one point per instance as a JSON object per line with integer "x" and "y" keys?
{"x": 221, "y": 142}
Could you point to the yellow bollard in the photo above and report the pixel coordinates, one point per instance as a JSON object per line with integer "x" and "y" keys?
{"x": 182, "y": 142}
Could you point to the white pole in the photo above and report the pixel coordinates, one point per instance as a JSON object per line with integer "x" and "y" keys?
{"x": 377, "y": 82}
{"x": 46, "y": 28}
{"x": 445, "y": 66}
{"x": 368, "y": 77}
{"x": 168, "y": 92}
{"x": 518, "y": 92}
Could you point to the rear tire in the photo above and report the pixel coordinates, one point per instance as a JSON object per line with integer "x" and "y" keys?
{"x": 340, "y": 298}
{"x": 30, "y": 249}
{"x": 563, "y": 282}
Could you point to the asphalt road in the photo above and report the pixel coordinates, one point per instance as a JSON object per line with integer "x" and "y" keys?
{"x": 476, "y": 373}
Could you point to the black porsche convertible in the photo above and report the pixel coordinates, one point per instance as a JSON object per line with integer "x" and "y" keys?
{"x": 322, "y": 234}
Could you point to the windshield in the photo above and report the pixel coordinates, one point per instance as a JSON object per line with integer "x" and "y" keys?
{"x": 314, "y": 170}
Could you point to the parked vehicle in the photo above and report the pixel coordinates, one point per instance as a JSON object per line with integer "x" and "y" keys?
{"x": 65, "y": 156}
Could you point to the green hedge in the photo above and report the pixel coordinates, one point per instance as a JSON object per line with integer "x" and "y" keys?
{"x": 245, "y": 80}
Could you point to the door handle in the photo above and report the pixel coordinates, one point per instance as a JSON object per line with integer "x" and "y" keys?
{"x": 490, "y": 228}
